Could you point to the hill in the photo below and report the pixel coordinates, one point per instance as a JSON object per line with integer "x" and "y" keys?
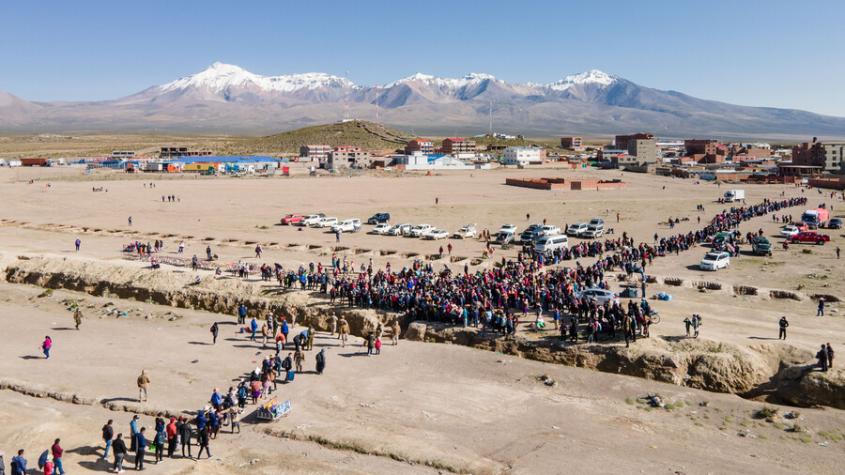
{"x": 364, "y": 134}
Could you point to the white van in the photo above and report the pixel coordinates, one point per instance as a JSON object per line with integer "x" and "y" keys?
{"x": 548, "y": 244}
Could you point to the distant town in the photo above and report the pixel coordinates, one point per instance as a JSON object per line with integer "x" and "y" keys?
{"x": 817, "y": 162}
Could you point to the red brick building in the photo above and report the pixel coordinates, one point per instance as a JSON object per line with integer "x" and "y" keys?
{"x": 419, "y": 145}
{"x": 458, "y": 145}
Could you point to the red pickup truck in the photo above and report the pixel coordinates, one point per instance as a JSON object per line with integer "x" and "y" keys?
{"x": 811, "y": 237}
{"x": 293, "y": 218}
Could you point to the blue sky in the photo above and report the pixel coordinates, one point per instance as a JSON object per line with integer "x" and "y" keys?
{"x": 768, "y": 53}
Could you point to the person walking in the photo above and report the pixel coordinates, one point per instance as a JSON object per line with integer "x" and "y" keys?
{"x": 321, "y": 361}
{"x": 185, "y": 432}
{"x": 143, "y": 386}
{"x": 130, "y": 220}
{"x": 234, "y": 419}
{"x": 119, "y": 447}
{"x": 344, "y": 331}
{"x": 108, "y": 435}
{"x": 57, "y": 451}
{"x": 687, "y": 325}
{"x": 215, "y": 330}
{"x": 203, "y": 442}
{"x": 77, "y": 317}
{"x": 333, "y": 324}
{"x": 783, "y": 324}
{"x": 46, "y": 346}
{"x": 820, "y": 309}
{"x": 77, "y": 243}
{"x": 253, "y": 327}
{"x": 837, "y": 252}
{"x": 396, "y": 330}
{"x": 140, "y": 448}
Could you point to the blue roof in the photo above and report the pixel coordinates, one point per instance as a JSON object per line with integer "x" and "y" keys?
{"x": 434, "y": 157}
{"x": 226, "y": 159}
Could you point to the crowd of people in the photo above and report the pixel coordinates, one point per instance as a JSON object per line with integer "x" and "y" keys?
{"x": 495, "y": 298}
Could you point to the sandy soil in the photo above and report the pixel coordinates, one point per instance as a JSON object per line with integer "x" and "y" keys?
{"x": 451, "y": 407}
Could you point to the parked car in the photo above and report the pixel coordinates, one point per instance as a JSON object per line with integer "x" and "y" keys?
{"x": 549, "y": 230}
{"x": 466, "y": 232}
{"x": 379, "y": 218}
{"x": 312, "y": 219}
{"x": 594, "y": 231}
{"x": 403, "y": 229}
{"x": 347, "y": 226}
{"x": 435, "y": 233}
{"x": 531, "y": 233}
{"x": 596, "y": 222}
{"x": 291, "y": 219}
{"x": 810, "y": 237}
{"x": 760, "y": 246}
{"x": 715, "y": 260}
{"x": 511, "y": 228}
{"x": 548, "y": 244}
{"x": 419, "y": 229}
{"x": 577, "y": 229}
{"x": 382, "y": 229}
{"x": 790, "y": 230}
{"x": 326, "y": 222}
{"x": 834, "y": 223}
{"x": 505, "y": 237}
{"x": 600, "y": 296}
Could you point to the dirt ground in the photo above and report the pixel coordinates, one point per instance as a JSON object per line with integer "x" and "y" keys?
{"x": 417, "y": 407}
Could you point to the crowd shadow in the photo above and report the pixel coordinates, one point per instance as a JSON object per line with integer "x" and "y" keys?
{"x": 763, "y": 338}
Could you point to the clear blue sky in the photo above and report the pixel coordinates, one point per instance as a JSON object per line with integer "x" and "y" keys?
{"x": 768, "y": 53}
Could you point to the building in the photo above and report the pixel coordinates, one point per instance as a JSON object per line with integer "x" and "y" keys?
{"x": 436, "y": 161}
{"x": 573, "y": 143}
{"x": 706, "y": 151}
{"x": 315, "y": 153}
{"x": 622, "y": 141}
{"x": 827, "y": 155}
{"x": 523, "y": 156}
{"x": 458, "y": 146}
{"x": 642, "y": 146}
{"x": 175, "y": 152}
{"x": 419, "y": 145}
{"x": 347, "y": 156}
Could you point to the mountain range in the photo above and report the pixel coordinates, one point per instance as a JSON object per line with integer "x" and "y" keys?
{"x": 228, "y": 99}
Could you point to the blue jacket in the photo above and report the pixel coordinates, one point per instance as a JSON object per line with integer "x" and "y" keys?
{"x": 133, "y": 427}
{"x": 142, "y": 442}
{"x": 18, "y": 465}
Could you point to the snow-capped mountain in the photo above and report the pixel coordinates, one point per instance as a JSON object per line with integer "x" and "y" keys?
{"x": 230, "y": 83}
{"x": 227, "y": 98}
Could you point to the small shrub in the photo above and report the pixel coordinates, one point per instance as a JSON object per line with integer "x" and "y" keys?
{"x": 766, "y": 413}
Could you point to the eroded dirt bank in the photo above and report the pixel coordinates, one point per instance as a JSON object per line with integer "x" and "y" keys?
{"x": 777, "y": 372}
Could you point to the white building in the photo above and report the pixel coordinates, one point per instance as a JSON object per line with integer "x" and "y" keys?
{"x": 437, "y": 161}
{"x": 523, "y": 156}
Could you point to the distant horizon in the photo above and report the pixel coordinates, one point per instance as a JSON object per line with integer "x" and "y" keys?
{"x": 99, "y": 50}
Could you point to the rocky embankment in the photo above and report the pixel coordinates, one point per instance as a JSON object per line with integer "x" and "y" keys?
{"x": 779, "y": 373}
{"x": 775, "y": 372}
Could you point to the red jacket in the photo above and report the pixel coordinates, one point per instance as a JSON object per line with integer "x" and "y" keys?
{"x": 171, "y": 428}
{"x": 57, "y": 450}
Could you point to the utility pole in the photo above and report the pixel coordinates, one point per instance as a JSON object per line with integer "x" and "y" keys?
{"x": 490, "y": 110}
